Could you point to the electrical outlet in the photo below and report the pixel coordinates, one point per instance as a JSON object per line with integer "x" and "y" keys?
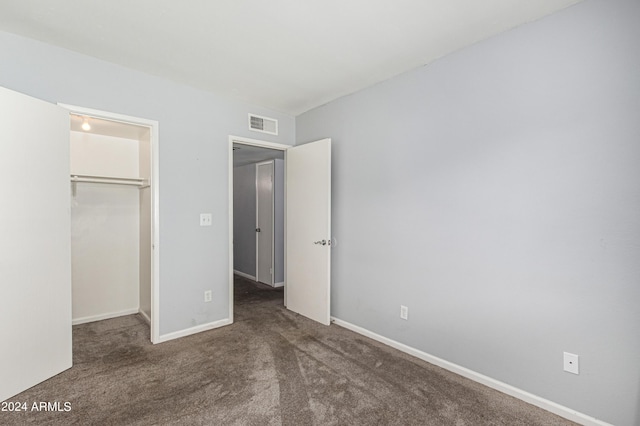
{"x": 206, "y": 219}
{"x": 207, "y": 296}
{"x": 571, "y": 364}
{"x": 404, "y": 312}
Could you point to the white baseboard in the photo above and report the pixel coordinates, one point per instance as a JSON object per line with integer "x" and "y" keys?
{"x": 280, "y": 284}
{"x": 193, "y": 330}
{"x": 145, "y": 317}
{"x": 101, "y": 317}
{"x": 525, "y": 396}
{"x": 243, "y": 275}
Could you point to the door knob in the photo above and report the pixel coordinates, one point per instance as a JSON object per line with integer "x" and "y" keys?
{"x": 257, "y": 229}
{"x": 321, "y": 242}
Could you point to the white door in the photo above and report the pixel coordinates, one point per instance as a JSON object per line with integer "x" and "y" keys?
{"x": 264, "y": 222}
{"x": 308, "y": 267}
{"x": 35, "y": 250}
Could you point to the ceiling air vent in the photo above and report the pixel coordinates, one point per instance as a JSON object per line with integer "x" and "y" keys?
{"x": 263, "y": 124}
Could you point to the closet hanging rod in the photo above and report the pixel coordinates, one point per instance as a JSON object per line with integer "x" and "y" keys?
{"x": 109, "y": 180}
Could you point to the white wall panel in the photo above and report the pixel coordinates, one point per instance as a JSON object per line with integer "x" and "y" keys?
{"x": 35, "y": 273}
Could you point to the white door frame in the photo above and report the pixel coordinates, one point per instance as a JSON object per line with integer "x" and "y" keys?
{"x": 155, "y": 203}
{"x": 262, "y": 144}
{"x": 273, "y": 217}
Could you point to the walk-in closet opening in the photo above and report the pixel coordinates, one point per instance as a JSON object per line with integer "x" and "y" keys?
{"x": 112, "y": 219}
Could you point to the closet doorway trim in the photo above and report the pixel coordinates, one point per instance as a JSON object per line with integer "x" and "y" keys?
{"x": 155, "y": 202}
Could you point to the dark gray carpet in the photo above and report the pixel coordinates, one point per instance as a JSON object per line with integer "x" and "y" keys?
{"x": 271, "y": 367}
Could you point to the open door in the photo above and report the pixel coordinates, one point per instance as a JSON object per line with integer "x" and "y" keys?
{"x": 308, "y": 230}
{"x": 264, "y": 222}
{"x": 35, "y": 252}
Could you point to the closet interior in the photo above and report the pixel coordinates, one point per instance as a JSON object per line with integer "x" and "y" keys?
{"x": 111, "y": 219}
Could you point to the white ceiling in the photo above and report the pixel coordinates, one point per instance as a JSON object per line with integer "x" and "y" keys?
{"x": 288, "y": 55}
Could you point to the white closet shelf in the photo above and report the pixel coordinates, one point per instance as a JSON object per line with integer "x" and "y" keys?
{"x": 114, "y": 180}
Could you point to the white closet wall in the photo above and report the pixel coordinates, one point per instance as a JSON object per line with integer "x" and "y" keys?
{"x": 105, "y": 228}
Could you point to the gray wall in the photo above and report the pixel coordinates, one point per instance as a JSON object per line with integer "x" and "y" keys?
{"x": 244, "y": 219}
{"x": 496, "y": 193}
{"x": 194, "y": 130}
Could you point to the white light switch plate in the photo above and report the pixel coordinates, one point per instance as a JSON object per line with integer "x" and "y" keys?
{"x": 205, "y": 219}
{"x": 404, "y": 312}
